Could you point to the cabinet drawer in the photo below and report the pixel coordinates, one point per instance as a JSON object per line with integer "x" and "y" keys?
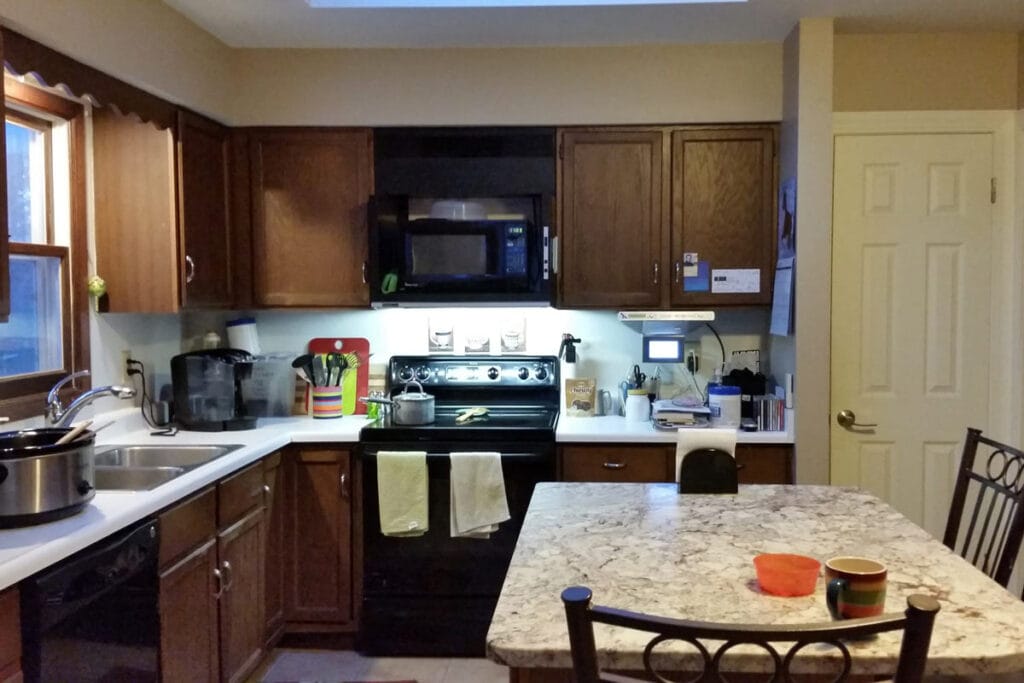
{"x": 186, "y": 525}
{"x": 617, "y": 463}
{"x": 238, "y": 494}
{"x": 765, "y": 463}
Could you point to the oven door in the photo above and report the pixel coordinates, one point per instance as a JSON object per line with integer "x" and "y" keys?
{"x": 434, "y": 594}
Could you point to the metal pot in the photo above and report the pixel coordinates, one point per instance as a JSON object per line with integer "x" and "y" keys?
{"x": 407, "y": 408}
{"x": 41, "y": 481}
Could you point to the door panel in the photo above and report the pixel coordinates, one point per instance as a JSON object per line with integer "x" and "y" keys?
{"x": 240, "y": 551}
{"x": 910, "y": 312}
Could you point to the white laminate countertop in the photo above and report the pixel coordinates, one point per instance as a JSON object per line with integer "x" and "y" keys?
{"x": 615, "y": 429}
{"x": 645, "y": 547}
{"x": 27, "y": 550}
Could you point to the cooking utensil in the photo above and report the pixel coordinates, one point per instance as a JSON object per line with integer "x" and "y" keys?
{"x": 319, "y": 373}
{"x": 73, "y": 434}
{"x": 353, "y": 384}
{"x": 408, "y": 408}
{"x": 305, "y": 363}
{"x": 41, "y": 481}
{"x": 638, "y": 378}
{"x": 469, "y": 414}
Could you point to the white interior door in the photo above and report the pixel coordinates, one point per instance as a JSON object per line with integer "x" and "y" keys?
{"x": 911, "y": 278}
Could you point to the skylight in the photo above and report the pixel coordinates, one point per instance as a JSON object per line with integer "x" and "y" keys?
{"x": 477, "y": 4}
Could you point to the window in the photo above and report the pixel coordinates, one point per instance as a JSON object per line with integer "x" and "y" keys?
{"x": 46, "y": 335}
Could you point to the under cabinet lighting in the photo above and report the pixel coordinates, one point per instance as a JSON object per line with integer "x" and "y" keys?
{"x": 481, "y": 4}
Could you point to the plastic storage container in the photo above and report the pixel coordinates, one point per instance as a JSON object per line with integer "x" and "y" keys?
{"x": 724, "y": 402}
{"x": 638, "y": 406}
{"x": 269, "y": 389}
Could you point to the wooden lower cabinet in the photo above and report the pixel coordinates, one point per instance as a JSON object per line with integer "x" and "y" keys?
{"x": 213, "y": 546}
{"x": 188, "y": 617}
{"x": 240, "y": 551}
{"x": 758, "y": 463}
{"x": 320, "y": 591}
{"x": 273, "y": 550}
{"x": 10, "y": 636}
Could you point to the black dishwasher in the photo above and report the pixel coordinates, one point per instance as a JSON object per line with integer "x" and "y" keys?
{"x": 93, "y": 616}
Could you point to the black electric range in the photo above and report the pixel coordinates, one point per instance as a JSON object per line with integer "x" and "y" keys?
{"x": 435, "y": 594}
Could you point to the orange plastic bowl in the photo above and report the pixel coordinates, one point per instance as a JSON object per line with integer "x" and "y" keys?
{"x": 788, "y": 575}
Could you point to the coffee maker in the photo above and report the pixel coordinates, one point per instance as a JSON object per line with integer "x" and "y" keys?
{"x": 207, "y": 388}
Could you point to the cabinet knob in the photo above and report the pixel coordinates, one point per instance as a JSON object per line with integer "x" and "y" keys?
{"x": 677, "y": 268}
{"x": 364, "y": 272}
{"x": 657, "y": 268}
{"x": 344, "y": 485}
{"x": 190, "y": 269}
{"x": 266, "y": 489}
{"x": 228, "y": 577}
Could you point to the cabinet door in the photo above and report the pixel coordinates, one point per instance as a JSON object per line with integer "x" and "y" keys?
{"x": 765, "y": 463}
{"x": 617, "y": 463}
{"x": 205, "y": 223}
{"x": 612, "y": 217}
{"x": 136, "y": 224}
{"x": 310, "y": 190}
{"x": 723, "y": 199}
{"x": 319, "y": 576}
{"x": 188, "y": 617}
{"x": 240, "y": 554}
{"x": 273, "y": 556}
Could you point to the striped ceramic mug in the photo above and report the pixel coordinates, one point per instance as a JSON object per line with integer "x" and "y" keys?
{"x": 856, "y": 587}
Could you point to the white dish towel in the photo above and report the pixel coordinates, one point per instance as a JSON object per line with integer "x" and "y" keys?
{"x": 478, "y": 501}
{"x": 724, "y": 439}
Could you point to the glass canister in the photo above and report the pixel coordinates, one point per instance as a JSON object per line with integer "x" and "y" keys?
{"x": 638, "y": 406}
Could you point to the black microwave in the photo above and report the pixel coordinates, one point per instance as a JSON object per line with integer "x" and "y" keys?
{"x": 427, "y": 251}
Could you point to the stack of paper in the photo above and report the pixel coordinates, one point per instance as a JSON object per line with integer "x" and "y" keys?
{"x": 667, "y": 412}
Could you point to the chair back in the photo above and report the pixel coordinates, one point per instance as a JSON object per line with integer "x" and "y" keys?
{"x": 708, "y": 470}
{"x": 986, "y": 516}
{"x": 781, "y": 643}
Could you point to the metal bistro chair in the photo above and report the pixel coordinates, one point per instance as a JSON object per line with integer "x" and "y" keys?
{"x": 581, "y": 616}
{"x": 989, "y": 497}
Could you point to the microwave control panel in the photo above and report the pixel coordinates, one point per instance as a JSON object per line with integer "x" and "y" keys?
{"x": 515, "y": 249}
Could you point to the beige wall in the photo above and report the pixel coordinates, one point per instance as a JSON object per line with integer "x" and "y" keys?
{"x": 143, "y": 42}
{"x": 736, "y": 82}
{"x": 901, "y": 72}
{"x": 814, "y": 247}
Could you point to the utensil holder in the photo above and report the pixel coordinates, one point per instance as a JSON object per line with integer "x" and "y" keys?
{"x": 326, "y": 402}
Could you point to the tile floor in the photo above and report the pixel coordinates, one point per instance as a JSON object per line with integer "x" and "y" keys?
{"x": 334, "y": 666}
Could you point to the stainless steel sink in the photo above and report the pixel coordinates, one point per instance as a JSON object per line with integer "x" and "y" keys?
{"x": 134, "y": 478}
{"x": 140, "y": 468}
{"x": 161, "y": 456}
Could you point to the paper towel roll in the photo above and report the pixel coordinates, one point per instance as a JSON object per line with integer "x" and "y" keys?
{"x": 691, "y": 439}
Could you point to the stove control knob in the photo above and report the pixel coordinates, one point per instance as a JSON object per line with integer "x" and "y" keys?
{"x": 524, "y": 373}
{"x": 493, "y": 373}
{"x": 405, "y": 374}
{"x": 422, "y": 374}
{"x": 541, "y": 372}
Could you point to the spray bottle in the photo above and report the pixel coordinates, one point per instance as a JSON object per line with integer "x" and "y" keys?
{"x": 567, "y": 352}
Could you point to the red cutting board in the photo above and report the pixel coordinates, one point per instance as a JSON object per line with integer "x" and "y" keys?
{"x": 351, "y": 390}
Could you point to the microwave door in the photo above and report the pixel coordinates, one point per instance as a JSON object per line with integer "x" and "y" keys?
{"x": 443, "y": 255}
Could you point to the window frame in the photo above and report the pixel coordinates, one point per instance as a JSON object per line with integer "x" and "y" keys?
{"x": 25, "y": 396}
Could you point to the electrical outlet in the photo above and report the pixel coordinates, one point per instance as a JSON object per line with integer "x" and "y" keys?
{"x": 691, "y": 355}
{"x": 125, "y": 377}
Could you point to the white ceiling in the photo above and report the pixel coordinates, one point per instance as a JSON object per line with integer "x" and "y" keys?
{"x": 293, "y": 23}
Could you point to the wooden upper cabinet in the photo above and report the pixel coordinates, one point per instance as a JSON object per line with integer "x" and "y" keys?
{"x": 309, "y": 194}
{"x": 612, "y": 185}
{"x": 136, "y": 228}
{"x": 723, "y": 209}
{"x": 163, "y": 229}
{"x": 205, "y": 272}
{"x": 5, "y": 280}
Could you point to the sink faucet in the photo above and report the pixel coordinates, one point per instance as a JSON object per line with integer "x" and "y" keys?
{"x": 59, "y": 416}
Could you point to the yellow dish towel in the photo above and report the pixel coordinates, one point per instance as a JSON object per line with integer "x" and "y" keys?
{"x": 402, "y": 492}
{"x": 478, "y": 500}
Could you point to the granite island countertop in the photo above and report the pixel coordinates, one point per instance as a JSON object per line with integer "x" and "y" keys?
{"x": 646, "y": 548}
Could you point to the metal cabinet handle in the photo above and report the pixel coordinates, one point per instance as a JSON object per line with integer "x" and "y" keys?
{"x": 266, "y": 489}
{"x": 677, "y": 269}
{"x": 615, "y": 465}
{"x": 848, "y": 419}
{"x": 657, "y": 268}
{"x": 344, "y": 485}
{"x": 364, "y": 272}
{"x": 190, "y": 269}
{"x": 228, "y": 576}
{"x": 220, "y": 584}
